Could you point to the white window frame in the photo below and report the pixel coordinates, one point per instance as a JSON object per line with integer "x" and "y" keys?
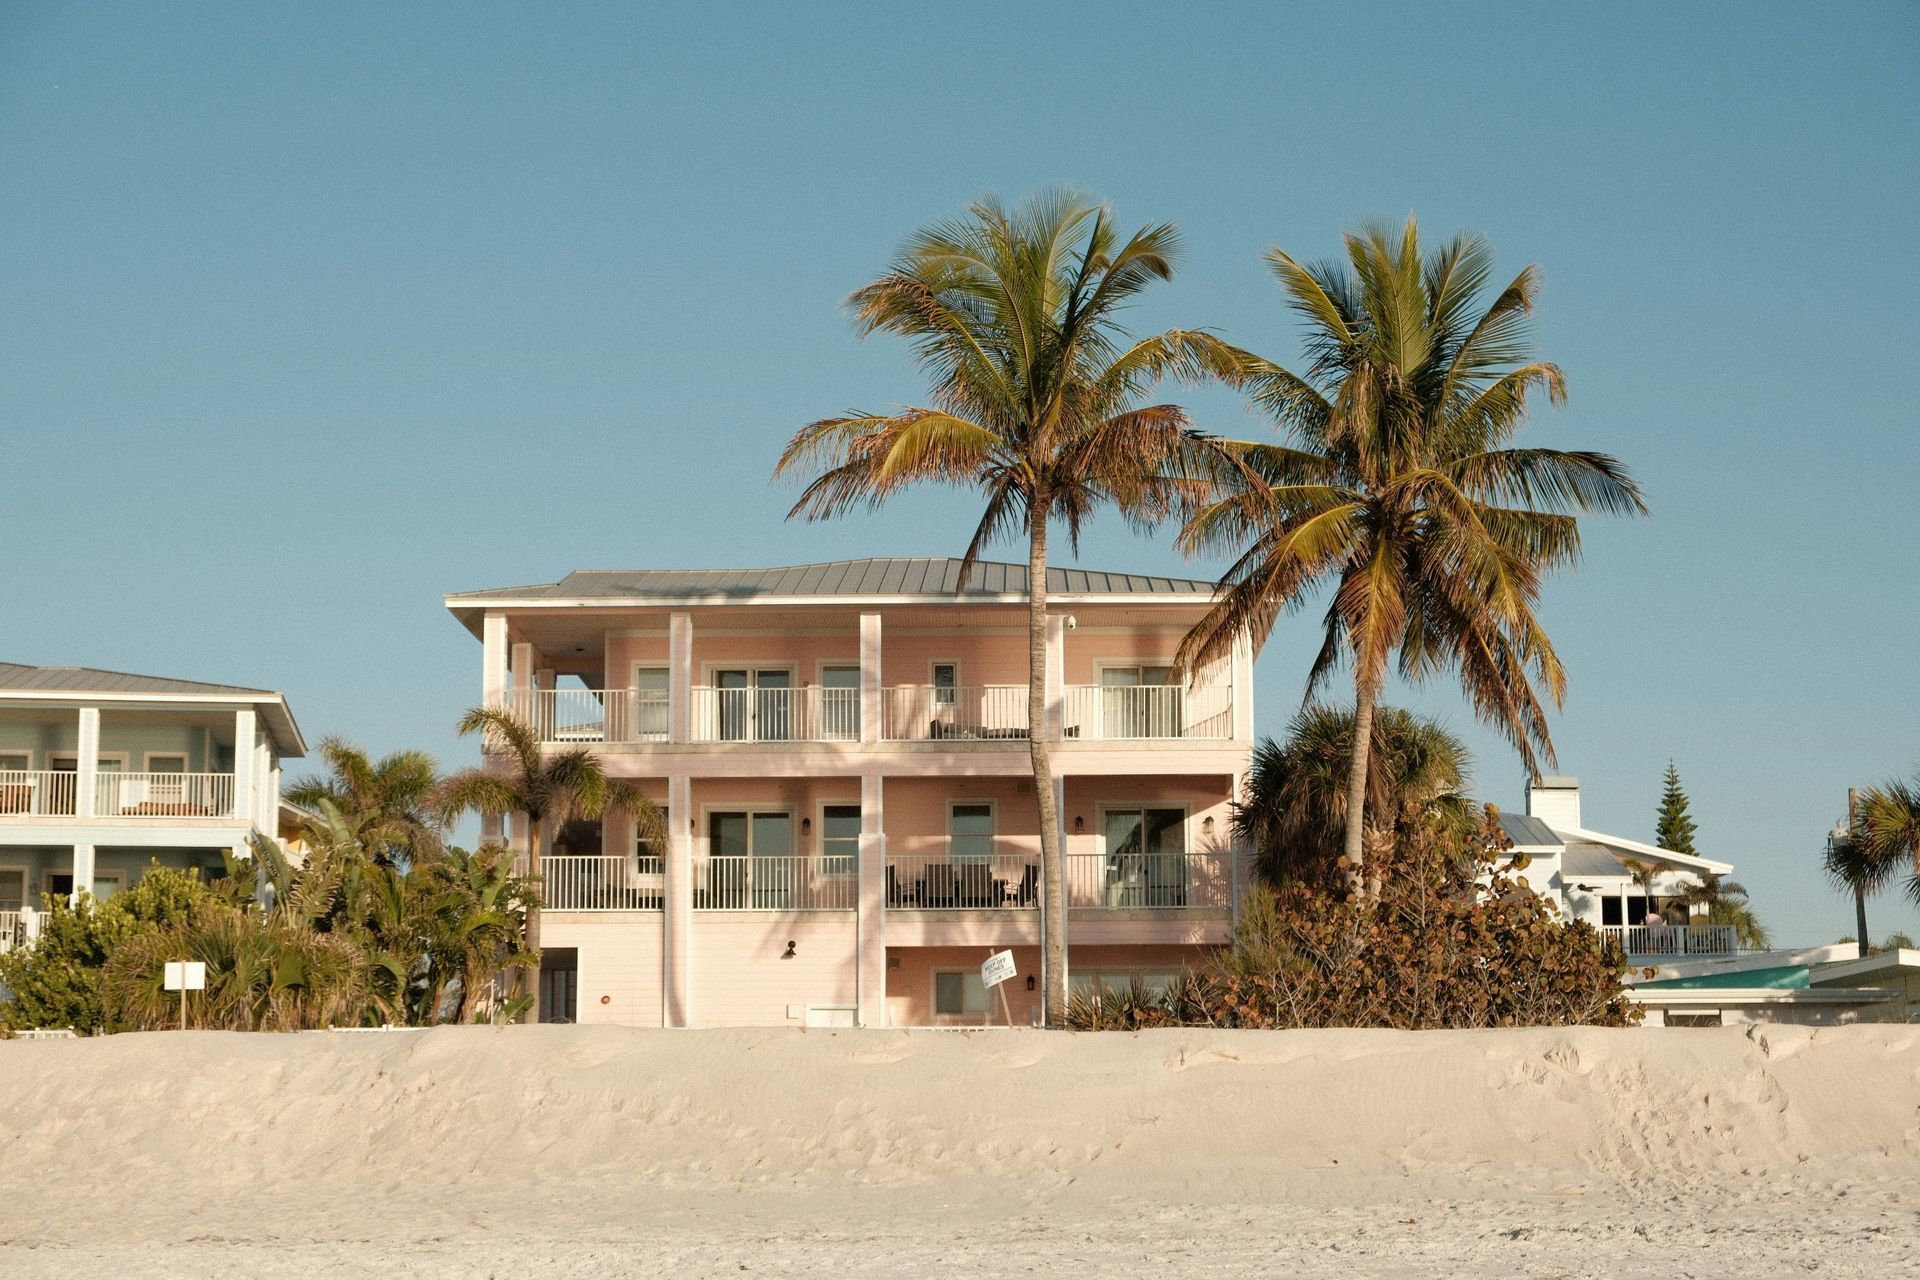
{"x": 118, "y": 757}
{"x": 993, "y": 816}
{"x": 709, "y": 670}
{"x": 26, "y": 756}
{"x": 933, "y": 684}
{"x": 634, "y": 668}
{"x": 26, "y": 883}
{"x": 985, "y": 1012}
{"x": 146, "y": 761}
{"x": 820, "y": 669}
{"x": 116, "y": 874}
{"x": 819, "y": 851}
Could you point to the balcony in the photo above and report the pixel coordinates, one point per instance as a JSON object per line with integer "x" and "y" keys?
{"x": 908, "y": 713}
{"x": 1095, "y": 882}
{"x": 1680, "y": 940}
{"x": 54, "y": 792}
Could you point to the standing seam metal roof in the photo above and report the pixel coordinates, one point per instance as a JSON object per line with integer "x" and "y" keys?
{"x": 19, "y": 676}
{"x": 929, "y": 576}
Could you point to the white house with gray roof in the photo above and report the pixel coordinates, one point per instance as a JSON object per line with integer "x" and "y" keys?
{"x": 102, "y": 772}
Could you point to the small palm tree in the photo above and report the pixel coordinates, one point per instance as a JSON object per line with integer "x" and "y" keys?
{"x": 1015, "y": 315}
{"x": 1399, "y": 490}
{"x": 392, "y": 799}
{"x": 1726, "y": 903}
{"x": 1643, "y": 874}
{"x": 1889, "y": 827}
{"x": 1294, "y": 812}
{"x": 547, "y": 789}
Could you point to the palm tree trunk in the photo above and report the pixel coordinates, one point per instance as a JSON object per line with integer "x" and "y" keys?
{"x": 1052, "y": 877}
{"x": 1860, "y": 917}
{"x": 1354, "y": 856}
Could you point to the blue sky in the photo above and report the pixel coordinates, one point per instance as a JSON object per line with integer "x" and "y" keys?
{"x": 311, "y": 314}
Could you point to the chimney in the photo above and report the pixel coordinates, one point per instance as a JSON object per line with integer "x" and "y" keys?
{"x": 1555, "y": 801}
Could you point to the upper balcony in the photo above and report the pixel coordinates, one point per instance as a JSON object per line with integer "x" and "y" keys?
{"x": 989, "y": 714}
{"x": 55, "y": 793}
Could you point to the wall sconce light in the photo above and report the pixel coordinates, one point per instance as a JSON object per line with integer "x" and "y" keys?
{"x": 789, "y": 953}
{"x": 1079, "y": 824}
{"x": 806, "y": 826}
{"x": 1029, "y": 982}
{"x": 1206, "y": 824}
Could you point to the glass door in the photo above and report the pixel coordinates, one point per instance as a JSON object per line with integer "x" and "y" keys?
{"x": 1146, "y": 858}
{"x": 648, "y": 722}
{"x": 1138, "y": 702}
{"x": 756, "y": 705}
{"x": 840, "y": 704}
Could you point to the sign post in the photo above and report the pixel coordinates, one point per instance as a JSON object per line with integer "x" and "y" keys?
{"x": 996, "y": 969}
{"x": 184, "y": 976}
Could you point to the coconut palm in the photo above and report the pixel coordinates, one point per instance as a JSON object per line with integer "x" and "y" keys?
{"x": 1397, "y": 487}
{"x": 547, "y": 789}
{"x": 1294, "y": 812}
{"x": 1726, "y": 903}
{"x": 1889, "y": 827}
{"x": 1853, "y": 868}
{"x": 1035, "y": 405}
{"x": 392, "y": 798}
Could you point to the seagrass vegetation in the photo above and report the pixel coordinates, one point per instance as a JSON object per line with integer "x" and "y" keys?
{"x": 346, "y": 939}
{"x": 1037, "y": 405}
{"x": 1455, "y": 937}
{"x": 1396, "y": 487}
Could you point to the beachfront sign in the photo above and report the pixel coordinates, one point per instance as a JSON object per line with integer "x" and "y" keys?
{"x": 997, "y": 968}
{"x": 186, "y": 975}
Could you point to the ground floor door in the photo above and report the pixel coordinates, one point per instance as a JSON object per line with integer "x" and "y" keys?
{"x": 560, "y": 984}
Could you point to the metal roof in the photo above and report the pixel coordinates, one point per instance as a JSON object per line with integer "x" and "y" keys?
{"x": 880, "y": 576}
{"x": 1528, "y": 832}
{"x": 16, "y": 675}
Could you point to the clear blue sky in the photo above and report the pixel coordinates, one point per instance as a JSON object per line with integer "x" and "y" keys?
{"x": 310, "y": 314}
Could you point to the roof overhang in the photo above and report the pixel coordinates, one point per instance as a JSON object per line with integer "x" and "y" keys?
{"x": 1649, "y": 852}
{"x": 274, "y": 712}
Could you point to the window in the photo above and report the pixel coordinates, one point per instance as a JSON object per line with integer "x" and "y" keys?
{"x": 15, "y": 762}
{"x": 559, "y": 984}
{"x": 651, "y": 703}
{"x": 105, "y": 884}
{"x": 1146, "y": 858}
{"x": 970, "y": 833}
{"x": 946, "y": 680}
{"x": 840, "y": 839}
{"x": 959, "y": 994}
{"x": 13, "y": 888}
{"x": 749, "y": 863}
{"x": 840, "y": 704}
{"x": 649, "y": 857}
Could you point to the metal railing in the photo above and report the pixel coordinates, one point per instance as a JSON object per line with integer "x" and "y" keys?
{"x": 18, "y": 927}
{"x": 1674, "y": 939}
{"x": 920, "y": 712}
{"x": 1148, "y": 711}
{"x": 941, "y": 881}
{"x": 37, "y": 792}
{"x": 602, "y": 882}
{"x": 1128, "y": 881}
{"x": 788, "y": 882}
{"x": 164, "y": 795}
{"x": 592, "y": 715}
{"x": 816, "y": 713}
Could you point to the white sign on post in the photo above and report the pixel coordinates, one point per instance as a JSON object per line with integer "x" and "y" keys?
{"x": 186, "y": 975}
{"x": 997, "y": 969}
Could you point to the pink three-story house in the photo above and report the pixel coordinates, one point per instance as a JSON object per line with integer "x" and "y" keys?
{"x": 841, "y": 750}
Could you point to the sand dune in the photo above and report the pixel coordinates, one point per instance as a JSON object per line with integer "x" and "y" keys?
{"x": 578, "y": 1151}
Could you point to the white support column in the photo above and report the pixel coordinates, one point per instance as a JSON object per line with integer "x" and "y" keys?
{"x": 872, "y": 924}
{"x": 520, "y": 660}
{"x": 246, "y": 761}
{"x": 680, "y": 677}
{"x": 493, "y": 659}
{"x": 1056, "y": 674}
{"x": 871, "y": 699}
{"x": 87, "y": 768}
{"x": 1242, "y": 693}
{"x": 677, "y": 946}
{"x": 82, "y": 872}
{"x": 1066, "y": 896}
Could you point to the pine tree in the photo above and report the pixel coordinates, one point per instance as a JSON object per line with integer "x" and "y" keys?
{"x": 1675, "y": 828}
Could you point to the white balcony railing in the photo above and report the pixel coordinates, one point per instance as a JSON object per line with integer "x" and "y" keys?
{"x": 602, "y": 882}
{"x": 1128, "y": 881}
{"x": 164, "y": 795}
{"x": 788, "y": 882}
{"x": 18, "y": 928}
{"x": 816, "y": 713}
{"x": 1674, "y": 939}
{"x": 938, "y": 882}
{"x": 37, "y": 792}
{"x": 592, "y": 715}
{"x": 1148, "y": 711}
{"x": 918, "y": 713}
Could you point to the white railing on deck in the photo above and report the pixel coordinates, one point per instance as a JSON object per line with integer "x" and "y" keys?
{"x": 790, "y": 882}
{"x": 919, "y": 713}
{"x": 939, "y": 882}
{"x": 164, "y": 795}
{"x": 37, "y": 792}
{"x": 1674, "y": 939}
{"x": 1148, "y": 711}
{"x": 13, "y": 929}
{"x": 816, "y": 713}
{"x": 592, "y": 715}
{"x": 602, "y": 882}
{"x": 1126, "y": 881}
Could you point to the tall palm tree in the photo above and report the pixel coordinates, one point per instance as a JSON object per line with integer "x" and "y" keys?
{"x": 548, "y": 789}
{"x": 1035, "y": 405}
{"x": 392, "y": 799}
{"x": 1397, "y": 487}
{"x": 1889, "y": 827}
{"x": 1294, "y": 812}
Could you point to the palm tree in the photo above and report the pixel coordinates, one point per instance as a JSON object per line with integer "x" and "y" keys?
{"x": 1014, "y": 315}
{"x": 391, "y": 798}
{"x": 548, "y": 789}
{"x": 1889, "y": 827}
{"x": 1643, "y": 874}
{"x": 1726, "y": 903}
{"x": 1294, "y": 813}
{"x": 1853, "y": 869}
{"x": 1398, "y": 488}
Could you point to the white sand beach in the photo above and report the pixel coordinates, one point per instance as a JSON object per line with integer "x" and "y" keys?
{"x": 583, "y": 1151}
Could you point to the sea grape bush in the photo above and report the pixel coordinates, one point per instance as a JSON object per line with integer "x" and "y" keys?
{"x": 1454, "y": 937}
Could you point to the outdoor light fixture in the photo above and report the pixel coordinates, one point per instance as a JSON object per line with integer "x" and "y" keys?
{"x": 806, "y": 826}
{"x": 789, "y": 955}
{"x": 1079, "y": 825}
{"x": 1029, "y": 982}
